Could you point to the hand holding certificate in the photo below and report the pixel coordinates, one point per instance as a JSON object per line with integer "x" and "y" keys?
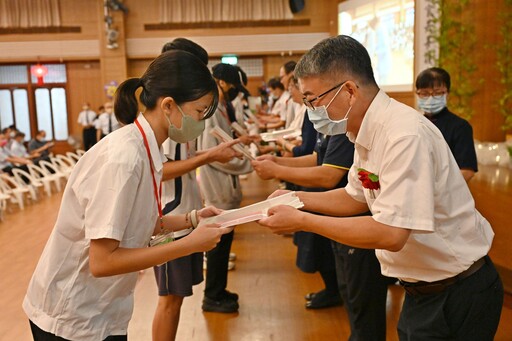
{"x": 253, "y": 212}
{"x": 223, "y": 136}
{"x": 284, "y": 133}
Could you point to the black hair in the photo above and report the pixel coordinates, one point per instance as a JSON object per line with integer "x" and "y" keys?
{"x": 289, "y": 67}
{"x": 432, "y": 77}
{"x": 189, "y": 46}
{"x": 334, "y": 56}
{"x": 177, "y": 74}
{"x": 275, "y": 83}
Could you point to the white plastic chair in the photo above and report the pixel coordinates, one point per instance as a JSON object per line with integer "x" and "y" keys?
{"x": 73, "y": 156}
{"x": 11, "y": 188}
{"x": 51, "y": 171}
{"x": 63, "y": 166}
{"x": 80, "y": 152}
{"x": 34, "y": 185}
{"x": 40, "y": 175}
{"x": 3, "y": 202}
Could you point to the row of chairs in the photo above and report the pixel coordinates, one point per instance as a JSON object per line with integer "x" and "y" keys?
{"x": 44, "y": 176}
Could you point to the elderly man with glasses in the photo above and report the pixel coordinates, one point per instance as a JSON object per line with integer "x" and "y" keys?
{"x": 424, "y": 224}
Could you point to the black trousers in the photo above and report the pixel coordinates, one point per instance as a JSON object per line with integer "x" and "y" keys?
{"x": 40, "y": 335}
{"x": 89, "y": 137}
{"x": 364, "y": 291}
{"x": 468, "y": 310}
{"x": 217, "y": 261}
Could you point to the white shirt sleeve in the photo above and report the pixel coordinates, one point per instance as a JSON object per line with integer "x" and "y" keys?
{"x": 109, "y": 198}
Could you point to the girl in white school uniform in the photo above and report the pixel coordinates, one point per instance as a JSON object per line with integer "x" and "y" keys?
{"x": 82, "y": 288}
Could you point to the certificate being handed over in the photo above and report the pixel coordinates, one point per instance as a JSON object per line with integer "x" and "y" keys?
{"x": 253, "y": 212}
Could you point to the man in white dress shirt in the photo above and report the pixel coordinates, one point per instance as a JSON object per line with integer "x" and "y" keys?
{"x": 106, "y": 122}
{"x": 424, "y": 224}
{"x": 86, "y": 119}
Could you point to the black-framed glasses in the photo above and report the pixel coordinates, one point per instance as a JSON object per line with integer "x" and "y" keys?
{"x": 309, "y": 103}
{"x": 426, "y": 94}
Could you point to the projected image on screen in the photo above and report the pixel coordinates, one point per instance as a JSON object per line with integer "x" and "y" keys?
{"x": 386, "y": 29}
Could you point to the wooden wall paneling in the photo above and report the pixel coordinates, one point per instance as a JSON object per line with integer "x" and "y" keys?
{"x": 137, "y": 67}
{"x": 84, "y": 85}
{"x": 487, "y": 120}
{"x": 404, "y": 97}
{"x": 320, "y": 14}
{"x": 113, "y": 62}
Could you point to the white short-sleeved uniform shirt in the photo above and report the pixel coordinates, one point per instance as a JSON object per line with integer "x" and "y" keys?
{"x": 102, "y": 123}
{"x": 421, "y": 189}
{"x": 18, "y": 149}
{"x": 299, "y": 111}
{"x": 279, "y": 107}
{"x": 4, "y": 154}
{"x": 109, "y": 195}
{"x": 86, "y": 117}
{"x": 186, "y": 184}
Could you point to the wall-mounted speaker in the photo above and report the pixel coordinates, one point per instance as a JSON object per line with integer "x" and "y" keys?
{"x": 296, "y": 5}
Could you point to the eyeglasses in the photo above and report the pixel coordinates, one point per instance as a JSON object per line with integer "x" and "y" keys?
{"x": 426, "y": 94}
{"x": 309, "y": 103}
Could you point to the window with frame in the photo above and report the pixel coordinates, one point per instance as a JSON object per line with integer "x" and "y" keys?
{"x": 31, "y": 106}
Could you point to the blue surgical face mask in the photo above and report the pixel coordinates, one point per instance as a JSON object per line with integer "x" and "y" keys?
{"x": 322, "y": 122}
{"x": 433, "y": 104}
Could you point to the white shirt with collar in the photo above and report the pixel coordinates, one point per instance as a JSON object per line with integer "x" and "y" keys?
{"x": 18, "y": 149}
{"x": 103, "y": 123}
{"x": 4, "y": 154}
{"x": 280, "y": 105}
{"x": 421, "y": 189}
{"x": 190, "y": 193}
{"x": 109, "y": 195}
{"x": 86, "y": 117}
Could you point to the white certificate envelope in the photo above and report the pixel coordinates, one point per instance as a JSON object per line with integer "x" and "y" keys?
{"x": 223, "y": 136}
{"x": 238, "y": 129}
{"x": 253, "y": 212}
{"x": 284, "y": 133}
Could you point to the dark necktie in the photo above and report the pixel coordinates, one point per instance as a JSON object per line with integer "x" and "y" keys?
{"x": 109, "y": 123}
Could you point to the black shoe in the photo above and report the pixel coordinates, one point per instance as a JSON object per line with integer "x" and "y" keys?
{"x": 224, "y": 305}
{"x": 324, "y": 299}
{"x": 311, "y": 295}
{"x": 231, "y": 295}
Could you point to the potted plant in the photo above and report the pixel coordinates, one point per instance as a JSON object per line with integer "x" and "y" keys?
{"x": 504, "y": 65}
{"x": 450, "y": 29}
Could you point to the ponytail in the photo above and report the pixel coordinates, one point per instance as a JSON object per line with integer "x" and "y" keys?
{"x": 177, "y": 74}
{"x": 126, "y": 106}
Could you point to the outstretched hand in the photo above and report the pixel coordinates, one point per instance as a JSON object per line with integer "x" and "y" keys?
{"x": 206, "y": 236}
{"x": 278, "y": 192}
{"x": 282, "y": 219}
{"x": 265, "y": 169}
{"x": 208, "y": 211}
{"x": 223, "y": 152}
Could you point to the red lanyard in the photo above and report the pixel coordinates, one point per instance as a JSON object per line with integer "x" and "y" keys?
{"x": 158, "y": 194}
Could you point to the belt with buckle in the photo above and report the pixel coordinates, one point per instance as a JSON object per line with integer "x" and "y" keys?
{"x": 427, "y": 288}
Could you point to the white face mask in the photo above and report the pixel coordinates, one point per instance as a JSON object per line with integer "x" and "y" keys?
{"x": 323, "y": 123}
{"x": 432, "y": 104}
